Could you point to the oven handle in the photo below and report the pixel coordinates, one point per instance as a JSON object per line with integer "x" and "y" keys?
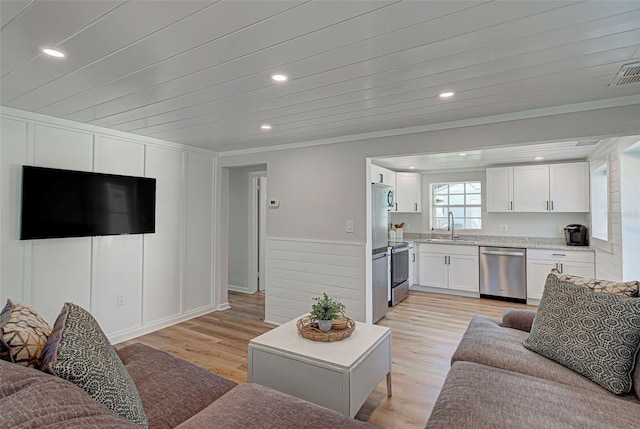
{"x": 400, "y": 249}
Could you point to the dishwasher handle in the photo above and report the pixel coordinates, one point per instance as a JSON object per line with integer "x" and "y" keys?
{"x": 501, "y": 253}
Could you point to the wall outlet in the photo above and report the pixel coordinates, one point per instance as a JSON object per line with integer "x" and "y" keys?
{"x": 350, "y": 225}
{"x": 503, "y": 228}
{"x": 120, "y": 300}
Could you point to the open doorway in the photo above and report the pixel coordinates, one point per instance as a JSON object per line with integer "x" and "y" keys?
{"x": 246, "y": 228}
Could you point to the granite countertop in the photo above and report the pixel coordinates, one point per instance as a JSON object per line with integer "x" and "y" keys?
{"x": 497, "y": 241}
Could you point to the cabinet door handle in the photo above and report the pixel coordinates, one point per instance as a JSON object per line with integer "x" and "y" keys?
{"x": 559, "y": 254}
{"x": 413, "y": 257}
{"x": 416, "y": 205}
{"x": 551, "y": 204}
{"x": 510, "y": 205}
{"x": 547, "y": 205}
{"x": 557, "y": 267}
{"x": 561, "y": 268}
{"x": 381, "y": 178}
{"x": 396, "y": 206}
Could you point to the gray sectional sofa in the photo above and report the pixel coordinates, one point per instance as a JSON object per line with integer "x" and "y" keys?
{"x": 174, "y": 393}
{"x": 495, "y": 382}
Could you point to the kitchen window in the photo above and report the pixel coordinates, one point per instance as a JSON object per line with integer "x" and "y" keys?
{"x": 463, "y": 199}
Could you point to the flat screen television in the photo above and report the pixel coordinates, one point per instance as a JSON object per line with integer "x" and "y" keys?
{"x": 64, "y": 203}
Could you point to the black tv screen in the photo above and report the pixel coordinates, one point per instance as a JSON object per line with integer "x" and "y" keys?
{"x": 64, "y": 203}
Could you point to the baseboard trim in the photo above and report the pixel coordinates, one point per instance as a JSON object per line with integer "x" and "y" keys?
{"x": 224, "y": 306}
{"x": 441, "y": 291}
{"x": 239, "y": 289}
{"x": 129, "y": 334}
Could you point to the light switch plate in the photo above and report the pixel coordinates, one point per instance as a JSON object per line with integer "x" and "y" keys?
{"x": 350, "y": 225}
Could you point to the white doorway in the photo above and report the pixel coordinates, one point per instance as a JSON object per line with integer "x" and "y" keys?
{"x": 257, "y": 230}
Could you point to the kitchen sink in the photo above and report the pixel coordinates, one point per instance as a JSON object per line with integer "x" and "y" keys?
{"x": 448, "y": 240}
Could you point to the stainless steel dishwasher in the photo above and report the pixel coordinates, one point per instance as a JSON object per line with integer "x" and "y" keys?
{"x": 503, "y": 273}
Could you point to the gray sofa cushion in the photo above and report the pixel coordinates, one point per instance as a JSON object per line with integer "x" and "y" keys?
{"x": 32, "y": 399}
{"x": 254, "y": 406}
{"x": 172, "y": 389}
{"x": 488, "y": 343}
{"x": 594, "y": 334}
{"x": 476, "y": 396}
{"x": 78, "y": 351}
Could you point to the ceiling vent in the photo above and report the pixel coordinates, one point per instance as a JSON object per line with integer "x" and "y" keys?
{"x": 628, "y": 74}
{"x": 586, "y": 143}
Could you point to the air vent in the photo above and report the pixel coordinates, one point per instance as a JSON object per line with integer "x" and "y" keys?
{"x": 586, "y": 143}
{"x": 628, "y": 74}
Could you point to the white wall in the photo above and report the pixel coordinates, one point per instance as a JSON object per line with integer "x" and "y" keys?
{"x": 630, "y": 216}
{"x": 165, "y": 277}
{"x": 609, "y": 254}
{"x": 518, "y": 224}
{"x": 320, "y": 187}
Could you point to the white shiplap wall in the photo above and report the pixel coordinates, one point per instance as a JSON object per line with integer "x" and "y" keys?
{"x": 298, "y": 270}
{"x": 609, "y": 254}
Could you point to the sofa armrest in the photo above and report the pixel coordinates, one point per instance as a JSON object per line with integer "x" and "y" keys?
{"x": 518, "y": 318}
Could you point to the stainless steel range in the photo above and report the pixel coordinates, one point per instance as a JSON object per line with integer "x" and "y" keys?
{"x": 399, "y": 272}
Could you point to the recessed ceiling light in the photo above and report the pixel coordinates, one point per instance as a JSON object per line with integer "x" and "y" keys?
{"x": 539, "y": 158}
{"x": 411, "y": 168}
{"x": 446, "y": 94}
{"x": 278, "y": 77}
{"x": 56, "y": 53}
{"x": 265, "y": 127}
{"x": 462, "y": 154}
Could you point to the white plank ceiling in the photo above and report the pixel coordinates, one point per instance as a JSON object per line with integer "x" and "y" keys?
{"x": 198, "y": 72}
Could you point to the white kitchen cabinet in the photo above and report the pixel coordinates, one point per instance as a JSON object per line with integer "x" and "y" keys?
{"x": 569, "y": 187}
{"x": 383, "y": 175}
{"x": 499, "y": 186}
{"x": 408, "y": 193}
{"x": 541, "y": 261}
{"x": 412, "y": 264}
{"x": 531, "y": 188}
{"x": 454, "y": 267}
{"x": 538, "y": 188}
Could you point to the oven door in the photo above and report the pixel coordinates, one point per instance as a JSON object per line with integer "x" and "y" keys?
{"x": 399, "y": 266}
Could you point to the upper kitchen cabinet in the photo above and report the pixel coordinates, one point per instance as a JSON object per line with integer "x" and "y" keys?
{"x": 569, "y": 187}
{"x": 383, "y": 175}
{"x": 500, "y": 189}
{"x": 408, "y": 193}
{"x": 539, "y": 188}
{"x": 531, "y": 188}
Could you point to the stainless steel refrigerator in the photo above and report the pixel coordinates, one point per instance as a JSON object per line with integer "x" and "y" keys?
{"x": 381, "y": 201}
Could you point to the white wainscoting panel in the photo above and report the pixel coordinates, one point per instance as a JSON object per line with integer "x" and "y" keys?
{"x": 117, "y": 259}
{"x": 60, "y": 272}
{"x": 13, "y": 150}
{"x": 197, "y": 291}
{"x": 298, "y": 270}
{"x": 61, "y": 268}
{"x": 163, "y": 250}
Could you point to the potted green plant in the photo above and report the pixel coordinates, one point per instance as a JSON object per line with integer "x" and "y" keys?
{"x": 324, "y": 309}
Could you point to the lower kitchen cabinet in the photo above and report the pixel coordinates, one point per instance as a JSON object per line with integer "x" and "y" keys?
{"x": 453, "y": 267}
{"x": 541, "y": 261}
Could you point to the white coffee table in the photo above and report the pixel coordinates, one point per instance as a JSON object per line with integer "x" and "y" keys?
{"x": 339, "y": 375}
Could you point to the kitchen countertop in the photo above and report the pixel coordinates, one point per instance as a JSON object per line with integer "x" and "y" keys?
{"x": 498, "y": 241}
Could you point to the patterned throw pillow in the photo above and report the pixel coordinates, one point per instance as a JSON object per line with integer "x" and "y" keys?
{"x": 23, "y": 334}
{"x": 592, "y": 333}
{"x": 614, "y": 288}
{"x": 78, "y": 351}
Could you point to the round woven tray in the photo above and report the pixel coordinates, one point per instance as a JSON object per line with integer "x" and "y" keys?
{"x": 307, "y": 330}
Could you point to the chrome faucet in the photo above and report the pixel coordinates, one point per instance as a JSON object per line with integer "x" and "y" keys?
{"x": 451, "y": 225}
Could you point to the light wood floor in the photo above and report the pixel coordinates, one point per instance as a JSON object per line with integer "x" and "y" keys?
{"x": 426, "y": 329}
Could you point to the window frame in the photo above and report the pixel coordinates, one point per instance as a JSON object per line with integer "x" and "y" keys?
{"x": 433, "y": 207}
